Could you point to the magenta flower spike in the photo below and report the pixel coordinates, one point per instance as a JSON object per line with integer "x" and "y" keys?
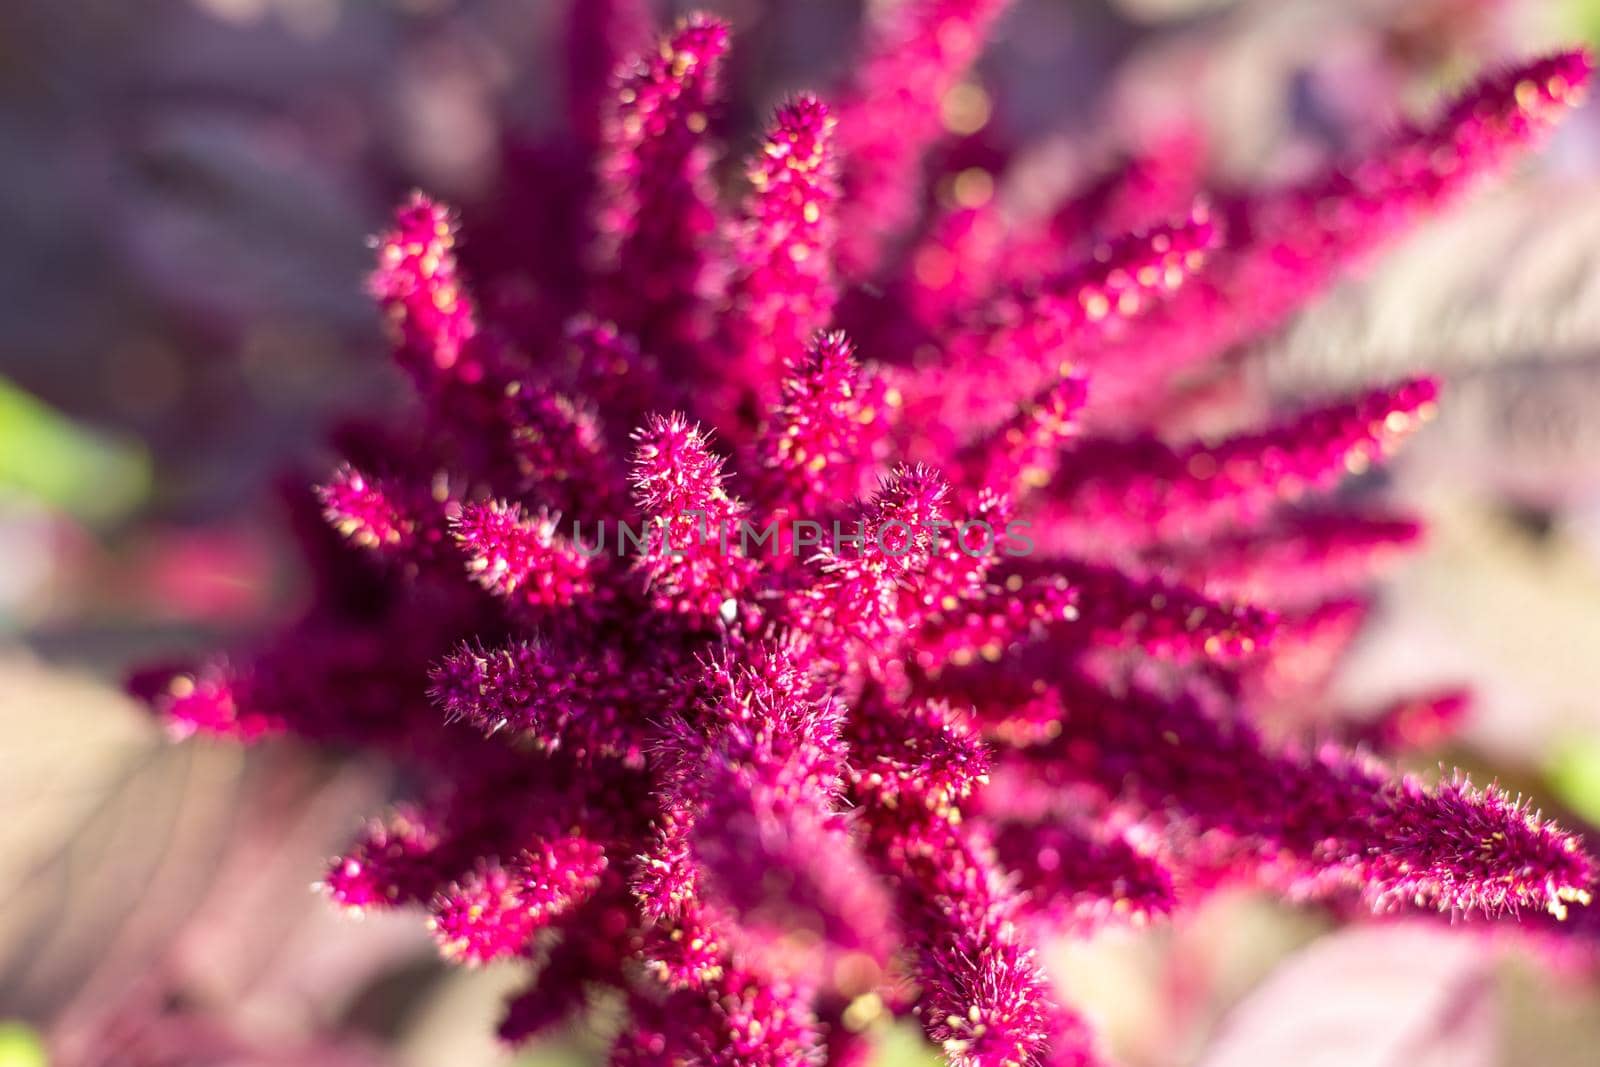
{"x": 1018, "y": 342}
{"x": 205, "y": 702}
{"x": 1161, "y": 178}
{"x": 956, "y": 265}
{"x": 657, "y": 215}
{"x": 693, "y": 560}
{"x": 918, "y": 51}
{"x": 1299, "y": 559}
{"x": 366, "y": 512}
{"x": 1116, "y": 285}
{"x": 1024, "y": 452}
{"x": 1124, "y": 494}
{"x": 769, "y": 690}
{"x": 492, "y": 912}
{"x": 552, "y": 698}
{"x": 522, "y": 558}
{"x": 1317, "y": 821}
{"x": 1283, "y": 247}
{"x": 783, "y": 288}
{"x": 391, "y": 863}
{"x": 418, "y": 287}
{"x": 558, "y": 450}
{"x": 828, "y": 433}
{"x": 1416, "y": 722}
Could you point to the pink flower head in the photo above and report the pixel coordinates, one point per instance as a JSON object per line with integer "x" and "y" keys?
{"x": 767, "y": 687}
{"x": 783, "y": 289}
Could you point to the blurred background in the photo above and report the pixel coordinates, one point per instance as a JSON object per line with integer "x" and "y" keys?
{"x": 186, "y": 189}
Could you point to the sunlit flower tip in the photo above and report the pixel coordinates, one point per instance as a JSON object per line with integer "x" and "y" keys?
{"x": 395, "y": 861}
{"x": 694, "y": 559}
{"x": 984, "y": 999}
{"x": 900, "y": 522}
{"x": 361, "y": 510}
{"x": 799, "y": 129}
{"x": 417, "y": 284}
{"x": 762, "y": 1024}
{"x": 1463, "y": 850}
{"x": 697, "y": 39}
{"x": 493, "y": 911}
{"x": 686, "y": 952}
{"x": 991, "y": 1011}
{"x": 675, "y": 470}
{"x": 783, "y": 288}
{"x": 662, "y": 87}
{"x": 665, "y": 881}
{"x": 1319, "y": 823}
{"x": 822, "y": 442}
{"x": 1521, "y": 101}
{"x": 521, "y": 558}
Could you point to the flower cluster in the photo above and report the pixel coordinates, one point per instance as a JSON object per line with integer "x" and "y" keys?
{"x": 765, "y": 798}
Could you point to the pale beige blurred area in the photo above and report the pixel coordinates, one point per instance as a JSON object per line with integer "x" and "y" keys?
{"x": 1517, "y": 617}
{"x": 1512, "y": 277}
{"x": 1501, "y": 301}
{"x": 146, "y": 881}
{"x": 137, "y": 874}
{"x": 1246, "y": 981}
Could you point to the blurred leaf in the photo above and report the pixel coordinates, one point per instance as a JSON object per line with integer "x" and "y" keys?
{"x": 1508, "y": 279}
{"x": 1584, "y": 17}
{"x": 904, "y": 1046}
{"x": 20, "y": 1046}
{"x": 47, "y": 457}
{"x": 1510, "y": 616}
{"x": 1392, "y": 995}
{"x": 1574, "y": 776}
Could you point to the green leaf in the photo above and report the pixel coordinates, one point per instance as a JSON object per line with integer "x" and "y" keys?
{"x": 48, "y": 458}
{"x": 1584, "y": 17}
{"x": 1574, "y": 776}
{"x": 20, "y": 1046}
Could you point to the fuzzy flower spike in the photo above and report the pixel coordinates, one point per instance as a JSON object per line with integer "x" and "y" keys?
{"x": 819, "y": 692}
